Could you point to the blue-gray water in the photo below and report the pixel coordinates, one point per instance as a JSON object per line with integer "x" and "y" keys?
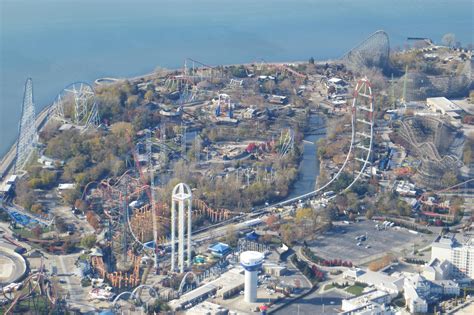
{"x": 57, "y": 42}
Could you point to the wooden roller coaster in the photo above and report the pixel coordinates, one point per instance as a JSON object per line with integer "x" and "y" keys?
{"x": 119, "y": 279}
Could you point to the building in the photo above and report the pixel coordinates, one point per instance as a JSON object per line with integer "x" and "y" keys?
{"x": 219, "y": 249}
{"x": 460, "y": 255}
{"x": 437, "y": 270}
{"x": 380, "y": 280}
{"x": 190, "y": 298}
{"x": 249, "y": 113}
{"x": 278, "y": 99}
{"x": 225, "y": 286}
{"x": 416, "y": 291}
{"x": 361, "y": 301}
{"x": 420, "y": 292}
{"x": 353, "y": 273}
{"x": 207, "y": 308}
{"x": 371, "y": 309}
{"x": 273, "y": 269}
{"x": 66, "y": 186}
{"x": 443, "y": 106}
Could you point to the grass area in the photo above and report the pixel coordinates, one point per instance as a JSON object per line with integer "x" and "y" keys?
{"x": 328, "y": 286}
{"x": 23, "y": 232}
{"x": 355, "y": 289}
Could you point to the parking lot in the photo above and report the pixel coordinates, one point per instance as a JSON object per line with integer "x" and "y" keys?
{"x": 316, "y": 303}
{"x": 340, "y": 242}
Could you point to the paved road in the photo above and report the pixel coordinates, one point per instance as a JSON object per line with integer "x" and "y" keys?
{"x": 12, "y": 266}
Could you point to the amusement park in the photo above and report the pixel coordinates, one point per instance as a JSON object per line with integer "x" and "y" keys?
{"x": 240, "y": 189}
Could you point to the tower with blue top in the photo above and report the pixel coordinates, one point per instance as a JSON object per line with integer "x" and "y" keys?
{"x": 252, "y": 262}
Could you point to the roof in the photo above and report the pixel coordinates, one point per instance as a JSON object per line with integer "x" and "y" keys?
{"x": 12, "y": 179}
{"x": 206, "y": 307}
{"x": 219, "y": 247}
{"x": 66, "y": 186}
{"x": 364, "y": 299}
{"x": 96, "y": 251}
{"x": 5, "y": 188}
{"x": 251, "y": 257}
{"x": 192, "y": 295}
{"x": 252, "y": 236}
{"x": 380, "y": 279}
{"x": 335, "y": 80}
{"x": 443, "y": 103}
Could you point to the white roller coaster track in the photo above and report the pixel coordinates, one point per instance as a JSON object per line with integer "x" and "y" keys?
{"x": 363, "y": 89}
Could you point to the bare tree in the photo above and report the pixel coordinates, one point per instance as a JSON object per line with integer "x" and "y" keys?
{"x": 448, "y": 39}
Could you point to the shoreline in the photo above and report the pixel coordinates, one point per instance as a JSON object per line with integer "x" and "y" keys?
{"x": 9, "y": 156}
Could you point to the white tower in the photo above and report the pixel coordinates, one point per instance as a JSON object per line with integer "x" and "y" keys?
{"x": 252, "y": 262}
{"x": 183, "y": 198}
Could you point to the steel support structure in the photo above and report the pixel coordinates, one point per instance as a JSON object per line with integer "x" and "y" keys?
{"x": 181, "y": 200}
{"x": 28, "y": 136}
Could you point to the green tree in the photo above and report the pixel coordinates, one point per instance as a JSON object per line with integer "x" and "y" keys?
{"x": 88, "y": 241}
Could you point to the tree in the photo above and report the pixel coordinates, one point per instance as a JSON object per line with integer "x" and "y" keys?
{"x": 303, "y": 214}
{"x": 37, "y": 231}
{"x": 448, "y": 39}
{"x": 271, "y": 221}
{"x": 383, "y": 262}
{"x": 288, "y": 234}
{"x": 88, "y": 241}
{"x": 91, "y": 217}
{"x": 37, "y": 208}
{"x": 269, "y": 86}
{"x": 25, "y": 196}
{"x": 231, "y": 236}
{"x": 449, "y": 179}
{"x": 149, "y": 95}
{"x": 60, "y": 224}
{"x": 369, "y": 213}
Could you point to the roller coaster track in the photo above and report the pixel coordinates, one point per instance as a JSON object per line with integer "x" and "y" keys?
{"x": 362, "y": 127}
{"x": 427, "y": 150}
{"x": 34, "y": 282}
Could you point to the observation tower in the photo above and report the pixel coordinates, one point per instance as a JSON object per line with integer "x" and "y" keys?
{"x": 252, "y": 262}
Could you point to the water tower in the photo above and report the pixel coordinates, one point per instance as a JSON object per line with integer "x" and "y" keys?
{"x": 252, "y": 262}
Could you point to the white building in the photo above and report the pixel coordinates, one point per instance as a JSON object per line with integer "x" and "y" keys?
{"x": 207, "y": 308}
{"x": 416, "y": 291}
{"x": 380, "y": 280}
{"x": 362, "y": 301}
{"x": 460, "y": 255}
{"x": 419, "y": 292}
{"x": 371, "y": 309}
{"x": 437, "y": 270}
{"x": 444, "y": 106}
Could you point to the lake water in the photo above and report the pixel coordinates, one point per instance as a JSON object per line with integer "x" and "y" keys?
{"x": 57, "y": 42}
